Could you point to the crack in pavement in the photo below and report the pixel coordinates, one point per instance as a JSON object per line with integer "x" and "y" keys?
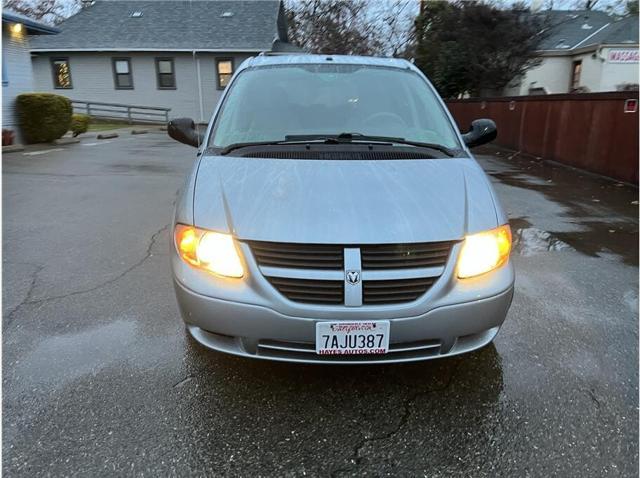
{"x": 594, "y": 399}
{"x": 34, "y": 279}
{"x": 184, "y": 381}
{"x": 28, "y": 300}
{"x": 356, "y": 458}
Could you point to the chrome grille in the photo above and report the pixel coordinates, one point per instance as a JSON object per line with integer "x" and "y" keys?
{"x": 397, "y": 256}
{"x": 309, "y": 291}
{"x": 395, "y": 291}
{"x": 306, "y": 351}
{"x": 298, "y": 256}
{"x": 315, "y": 273}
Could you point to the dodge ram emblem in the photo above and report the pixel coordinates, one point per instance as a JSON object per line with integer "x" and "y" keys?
{"x": 353, "y": 277}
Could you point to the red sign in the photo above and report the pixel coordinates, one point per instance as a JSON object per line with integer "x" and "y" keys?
{"x": 623, "y": 56}
{"x": 630, "y": 106}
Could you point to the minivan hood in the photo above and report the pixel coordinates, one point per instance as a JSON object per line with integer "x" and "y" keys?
{"x": 343, "y": 202}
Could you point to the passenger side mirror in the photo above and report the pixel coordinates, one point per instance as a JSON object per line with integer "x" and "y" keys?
{"x": 481, "y": 131}
{"x": 185, "y": 131}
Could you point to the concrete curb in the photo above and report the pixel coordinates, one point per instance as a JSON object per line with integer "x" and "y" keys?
{"x": 139, "y": 131}
{"x": 62, "y": 141}
{"x": 107, "y": 136}
{"x": 12, "y": 148}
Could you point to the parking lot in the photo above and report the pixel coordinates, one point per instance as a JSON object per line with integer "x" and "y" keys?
{"x": 100, "y": 378}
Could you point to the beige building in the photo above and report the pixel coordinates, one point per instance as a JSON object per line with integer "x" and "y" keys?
{"x": 588, "y": 52}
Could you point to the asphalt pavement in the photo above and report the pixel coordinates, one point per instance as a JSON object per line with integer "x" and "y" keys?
{"x": 99, "y": 377}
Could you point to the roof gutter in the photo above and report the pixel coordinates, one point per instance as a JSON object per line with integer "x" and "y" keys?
{"x": 32, "y": 26}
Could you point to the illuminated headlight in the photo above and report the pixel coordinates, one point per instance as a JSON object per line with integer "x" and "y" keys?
{"x": 484, "y": 251}
{"x": 212, "y": 251}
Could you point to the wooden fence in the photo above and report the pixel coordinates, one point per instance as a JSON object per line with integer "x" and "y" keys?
{"x": 593, "y": 131}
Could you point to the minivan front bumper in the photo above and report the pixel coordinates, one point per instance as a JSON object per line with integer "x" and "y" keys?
{"x": 261, "y": 332}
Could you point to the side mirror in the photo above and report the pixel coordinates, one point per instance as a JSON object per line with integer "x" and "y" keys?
{"x": 481, "y": 131}
{"x": 184, "y": 130}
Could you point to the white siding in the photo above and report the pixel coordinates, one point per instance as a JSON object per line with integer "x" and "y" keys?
{"x": 553, "y": 74}
{"x": 615, "y": 74}
{"x": 15, "y": 54}
{"x": 598, "y": 74}
{"x": 591, "y": 71}
{"x": 92, "y": 80}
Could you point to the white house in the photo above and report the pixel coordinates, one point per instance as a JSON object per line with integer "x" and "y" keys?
{"x": 586, "y": 51}
{"x": 17, "y": 73}
{"x": 162, "y": 53}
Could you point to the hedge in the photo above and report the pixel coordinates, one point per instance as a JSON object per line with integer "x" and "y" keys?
{"x": 43, "y": 117}
{"x": 79, "y": 124}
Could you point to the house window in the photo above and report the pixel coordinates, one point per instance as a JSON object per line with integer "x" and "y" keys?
{"x": 575, "y": 74}
{"x": 122, "y": 76}
{"x": 225, "y": 72}
{"x": 61, "y": 73}
{"x": 166, "y": 73}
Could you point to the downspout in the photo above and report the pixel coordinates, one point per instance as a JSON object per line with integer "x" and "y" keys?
{"x": 196, "y": 60}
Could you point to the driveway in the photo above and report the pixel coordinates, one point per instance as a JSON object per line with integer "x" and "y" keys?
{"x": 100, "y": 379}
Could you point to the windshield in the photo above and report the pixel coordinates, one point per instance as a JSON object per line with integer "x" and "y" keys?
{"x": 271, "y": 103}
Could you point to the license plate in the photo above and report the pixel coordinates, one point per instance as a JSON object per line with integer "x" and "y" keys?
{"x": 352, "y": 338}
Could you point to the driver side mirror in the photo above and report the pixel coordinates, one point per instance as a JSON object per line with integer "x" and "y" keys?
{"x": 185, "y": 131}
{"x": 481, "y": 131}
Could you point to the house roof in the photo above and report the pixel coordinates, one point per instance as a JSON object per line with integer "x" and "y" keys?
{"x": 33, "y": 27}
{"x": 624, "y": 31}
{"x": 131, "y": 25}
{"x": 571, "y": 29}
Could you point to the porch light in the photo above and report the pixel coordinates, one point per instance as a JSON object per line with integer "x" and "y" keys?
{"x": 16, "y": 28}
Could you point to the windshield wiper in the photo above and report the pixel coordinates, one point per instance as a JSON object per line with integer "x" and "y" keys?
{"x": 350, "y": 137}
{"x": 231, "y": 147}
{"x": 363, "y": 137}
{"x": 339, "y": 139}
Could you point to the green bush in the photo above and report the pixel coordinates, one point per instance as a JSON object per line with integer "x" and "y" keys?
{"x": 43, "y": 117}
{"x": 79, "y": 124}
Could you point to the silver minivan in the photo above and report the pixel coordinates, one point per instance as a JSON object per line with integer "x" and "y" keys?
{"x": 335, "y": 214}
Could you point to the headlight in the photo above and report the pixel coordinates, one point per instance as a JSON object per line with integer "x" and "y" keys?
{"x": 212, "y": 251}
{"x": 484, "y": 251}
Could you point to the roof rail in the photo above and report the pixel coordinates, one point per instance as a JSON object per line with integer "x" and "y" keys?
{"x": 277, "y": 53}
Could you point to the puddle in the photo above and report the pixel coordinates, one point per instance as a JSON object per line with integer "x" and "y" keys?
{"x": 584, "y": 193}
{"x": 597, "y": 239}
{"x": 69, "y": 356}
{"x": 529, "y": 241}
{"x": 599, "y": 216}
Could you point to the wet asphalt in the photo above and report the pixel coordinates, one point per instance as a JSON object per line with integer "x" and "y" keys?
{"x": 99, "y": 377}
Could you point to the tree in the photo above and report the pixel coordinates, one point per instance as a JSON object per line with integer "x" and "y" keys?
{"x": 49, "y": 11}
{"x": 471, "y": 47}
{"x": 395, "y": 19}
{"x": 332, "y": 27}
{"x": 631, "y": 7}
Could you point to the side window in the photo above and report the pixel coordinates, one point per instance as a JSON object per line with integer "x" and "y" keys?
{"x": 166, "y": 75}
{"x": 122, "y": 76}
{"x": 225, "y": 71}
{"x": 61, "y": 73}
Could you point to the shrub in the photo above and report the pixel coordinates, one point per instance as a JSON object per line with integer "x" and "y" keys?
{"x": 43, "y": 117}
{"x": 79, "y": 124}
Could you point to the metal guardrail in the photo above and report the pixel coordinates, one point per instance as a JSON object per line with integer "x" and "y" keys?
{"x": 118, "y": 111}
